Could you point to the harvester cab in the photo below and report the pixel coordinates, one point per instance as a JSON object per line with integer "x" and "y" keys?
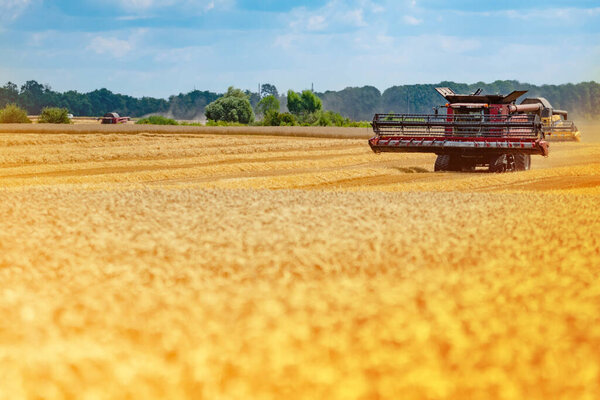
{"x": 475, "y": 130}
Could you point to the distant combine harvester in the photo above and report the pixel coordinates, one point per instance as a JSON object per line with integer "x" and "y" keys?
{"x": 113, "y": 118}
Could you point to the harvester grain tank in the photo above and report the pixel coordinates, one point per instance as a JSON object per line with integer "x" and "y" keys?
{"x": 476, "y": 130}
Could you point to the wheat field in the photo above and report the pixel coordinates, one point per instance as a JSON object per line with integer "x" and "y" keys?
{"x": 204, "y": 265}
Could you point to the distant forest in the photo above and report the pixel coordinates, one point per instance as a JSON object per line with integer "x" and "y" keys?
{"x": 357, "y": 103}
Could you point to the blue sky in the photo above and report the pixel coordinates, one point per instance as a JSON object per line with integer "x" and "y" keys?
{"x": 160, "y": 48}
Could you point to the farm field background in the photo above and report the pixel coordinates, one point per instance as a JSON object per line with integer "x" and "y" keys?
{"x": 155, "y": 262}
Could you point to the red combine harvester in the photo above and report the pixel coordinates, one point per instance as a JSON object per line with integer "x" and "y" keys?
{"x": 113, "y": 118}
{"x": 477, "y": 130}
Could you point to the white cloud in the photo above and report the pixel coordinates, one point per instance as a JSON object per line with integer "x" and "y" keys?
{"x": 355, "y": 17}
{"x": 134, "y": 4}
{"x": 110, "y": 46}
{"x": 316, "y": 23}
{"x": 286, "y": 41}
{"x": 8, "y": 4}
{"x": 377, "y": 9}
{"x": 11, "y": 9}
{"x": 373, "y": 42}
{"x": 193, "y": 6}
{"x": 191, "y": 54}
{"x": 410, "y": 20}
{"x": 115, "y": 47}
{"x": 557, "y": 15}
{"x": 453, "y": 44}
{"x": 130, "y": 18}
{"x": 335, "y": 15}
{"x": 38, "y": 38}
{"x": 341, "y": 43}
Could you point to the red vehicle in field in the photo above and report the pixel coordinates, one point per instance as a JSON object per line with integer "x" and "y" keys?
{"x": 113, "y": 118}
{"x": 476, "y": 130}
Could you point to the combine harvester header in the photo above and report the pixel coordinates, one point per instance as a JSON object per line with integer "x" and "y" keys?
{"x": 476, "y": 130}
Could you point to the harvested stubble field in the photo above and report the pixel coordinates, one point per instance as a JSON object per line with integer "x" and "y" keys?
{"x": 194, "y": 265}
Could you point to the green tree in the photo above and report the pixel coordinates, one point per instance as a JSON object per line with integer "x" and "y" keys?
{"x": 273, "y": 118}
{"x": 268, "y": 104}
{"x": 233, "y": 92}
{"x": 157, "y": 120}
{"x": 54, "y": 115}
{"x": 32, "y": 96}
{"x": 331, "y": 118}
{"x": 183, "y": 106}
{"x": 77, "y": 103}
{"x": 294, "y": 103}
{"x": 268, "y": 90}
{"x": 306, "y": 103}
{"x": 310, "y": 102}
{"x": 253, "y": 97}
{"x": 13, "y": 114}
{"x": 581, "y": 100}
{"x": 356, "y": 103}
{"x": 234, "y": 106}
{"x": 9, "y": 94}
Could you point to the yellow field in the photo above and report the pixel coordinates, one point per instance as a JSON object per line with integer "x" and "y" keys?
{"x": 184, "y": 264}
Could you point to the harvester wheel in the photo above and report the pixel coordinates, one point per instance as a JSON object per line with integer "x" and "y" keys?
{"x": 449, "y": 162}
{"x": 442, "y": 163}
{"x": 498, "y": 163}
{"x": 522, "y": 162}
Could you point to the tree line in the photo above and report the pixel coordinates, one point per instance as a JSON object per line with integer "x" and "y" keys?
{"x": 355, "y": 103}
{"x": 581, "y": 100}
